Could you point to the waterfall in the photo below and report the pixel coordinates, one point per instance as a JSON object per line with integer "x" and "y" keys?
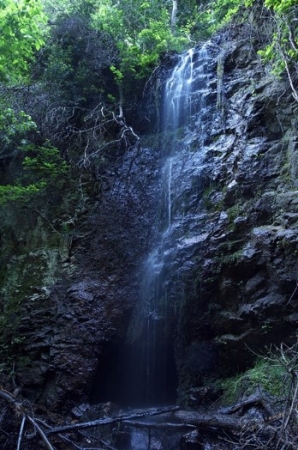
{"x": 184, "y": 91}
{"x": 143, "y": 371}
{"x": 176, "y": 104}
{"x": 151, "y": 334}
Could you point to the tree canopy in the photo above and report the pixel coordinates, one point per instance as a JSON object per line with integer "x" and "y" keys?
{"x": 22, "y": 24}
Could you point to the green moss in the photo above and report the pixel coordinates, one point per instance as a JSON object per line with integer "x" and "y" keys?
{"x": 208, "y": 198}
{"x": 233, "y": 212}
{"x": 24, "y": 277}
{"x": 265, "y": 374}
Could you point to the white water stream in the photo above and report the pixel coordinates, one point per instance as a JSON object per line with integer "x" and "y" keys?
{"x": 177, "y": 99}
{"x": 150, "y": 331}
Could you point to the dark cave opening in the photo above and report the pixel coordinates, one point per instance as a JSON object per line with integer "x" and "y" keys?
{"x": 136, "y": 375}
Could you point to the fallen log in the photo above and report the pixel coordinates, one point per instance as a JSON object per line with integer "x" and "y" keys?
{"x": 144, "y": 424}
{"x": 174, "y": 418}
{"x": 256, "y": 399}
{"x": 110, "y": 420}
{"x": 210, "y": 420}
{"x": 191, "y": 419}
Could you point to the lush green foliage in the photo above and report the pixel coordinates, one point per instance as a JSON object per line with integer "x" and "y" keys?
{"x": 280, "y": 6}
{"x": 211, "y": 15}
{"x": 42, "y": 165}
{"x": 141, "y": 30}
{"x": 55, "y": 9}
{"x": 14, "y": 126}
{"x": 20, "y": 193}
{"x": 283, "y": 48}
{"x": 72, "y": 66}
{"x": 22, "y": 28}
{"x": 43, "y": 168}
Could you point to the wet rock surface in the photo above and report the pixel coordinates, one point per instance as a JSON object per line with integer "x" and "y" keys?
{"x": 235, "y": 246}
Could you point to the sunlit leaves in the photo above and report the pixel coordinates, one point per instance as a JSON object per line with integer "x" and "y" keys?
{"x": 13, "y": 126}
{"x": 282, "y": 52}
{"x": 280, "y": 5}
{"x": 141, "y": 30}
{"x": 22, "y": 25}
{"x": 24, "y": 194}
{"x": 44, "y": 163}
{"x": 43, "y": 168}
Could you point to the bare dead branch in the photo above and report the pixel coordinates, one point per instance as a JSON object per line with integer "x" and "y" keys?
{"x": 109, "y": 420}
{"x": 21, "y": 432}
{"x": 41, "y": 433}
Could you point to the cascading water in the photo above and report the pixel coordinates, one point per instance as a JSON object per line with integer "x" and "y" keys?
{"x": 177, "y": 98}
{"x": 143, "y": 370}
{"x": 153, "y": 378}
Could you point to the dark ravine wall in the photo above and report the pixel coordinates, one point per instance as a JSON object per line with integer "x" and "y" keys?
{"x": 246, "y": 265}
{"x": 66, "y": 297}
{"x": 251, "y": 252}
{"x": 75, "y": 293}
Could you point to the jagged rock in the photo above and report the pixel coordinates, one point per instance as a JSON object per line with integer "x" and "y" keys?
{"x": 231, "y": 254}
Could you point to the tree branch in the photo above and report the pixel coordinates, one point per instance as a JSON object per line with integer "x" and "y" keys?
{"x": 21, "y": 432}
{"x": 109, "y": 420}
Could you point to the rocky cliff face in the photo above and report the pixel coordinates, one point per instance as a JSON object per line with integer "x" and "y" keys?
{"x": 66, "y": 297}
{"x": 232, "y": 269}
{"x": 247, "y": 270}
{"x": 242, "y": 288}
